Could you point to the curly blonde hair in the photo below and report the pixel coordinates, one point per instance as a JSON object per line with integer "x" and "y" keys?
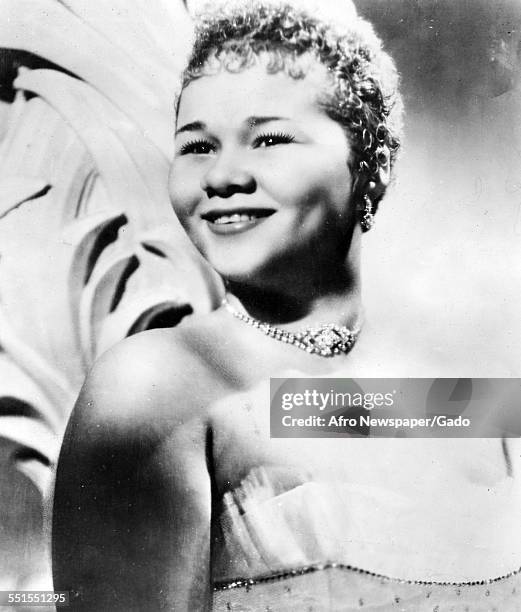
{"x": 364, "y": 96}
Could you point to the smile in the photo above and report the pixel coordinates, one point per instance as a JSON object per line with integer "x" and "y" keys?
{"x": 232, "y": 222}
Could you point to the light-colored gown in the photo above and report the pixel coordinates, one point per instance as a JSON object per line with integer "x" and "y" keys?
{"x": 292, "y": 550}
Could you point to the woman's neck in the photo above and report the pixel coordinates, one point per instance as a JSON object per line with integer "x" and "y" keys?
{"x": 310, "y": 293}
{"x": 283, "y": 309}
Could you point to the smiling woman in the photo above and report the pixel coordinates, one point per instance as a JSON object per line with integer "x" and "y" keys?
{"x": 275, "y": 170}
{"x": 170, "y": 492}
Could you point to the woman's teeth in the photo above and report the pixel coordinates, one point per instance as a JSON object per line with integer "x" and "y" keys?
{"x": 233, "y": 219}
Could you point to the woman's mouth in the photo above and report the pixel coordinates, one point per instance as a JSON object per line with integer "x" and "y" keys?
{"x": 236, "y": 221}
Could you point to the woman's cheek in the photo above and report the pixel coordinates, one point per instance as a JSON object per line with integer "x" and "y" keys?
{"x": 287, "y": 182}
{"x": 184, "y": 192}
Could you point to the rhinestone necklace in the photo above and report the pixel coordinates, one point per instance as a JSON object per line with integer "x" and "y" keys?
{"x": 326, "y": 340}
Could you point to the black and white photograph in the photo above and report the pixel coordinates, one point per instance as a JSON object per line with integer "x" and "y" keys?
{"x": 260, "y": 305}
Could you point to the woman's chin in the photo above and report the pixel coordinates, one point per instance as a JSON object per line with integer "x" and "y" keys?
{"x": 240, "y": 265}
{"x": 245, "y": 273}
{"x": 238, "y": 275}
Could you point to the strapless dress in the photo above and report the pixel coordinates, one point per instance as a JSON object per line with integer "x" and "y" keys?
{"x": 292, "y": 551}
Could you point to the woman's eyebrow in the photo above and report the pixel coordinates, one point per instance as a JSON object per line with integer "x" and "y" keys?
{"x": 191, "y": 127}
{"x": 254, "y": 120}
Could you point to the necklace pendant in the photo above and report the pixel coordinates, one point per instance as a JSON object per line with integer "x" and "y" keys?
{"x": 328, "y": 340}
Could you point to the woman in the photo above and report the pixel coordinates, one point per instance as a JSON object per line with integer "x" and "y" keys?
{"x": 169, "y": 484}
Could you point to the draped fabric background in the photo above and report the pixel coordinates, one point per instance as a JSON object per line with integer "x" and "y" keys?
{"x": 90, "y": 251}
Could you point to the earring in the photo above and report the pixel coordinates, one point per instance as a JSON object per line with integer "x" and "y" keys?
{"x": 367, "y": 220}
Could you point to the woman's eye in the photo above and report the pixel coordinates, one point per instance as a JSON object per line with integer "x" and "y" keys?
{"x": 197, "y": 147}
{"x": 270, "y": 140}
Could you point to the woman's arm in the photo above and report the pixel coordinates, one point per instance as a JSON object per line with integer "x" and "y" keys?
{"x": 131, "y": 524}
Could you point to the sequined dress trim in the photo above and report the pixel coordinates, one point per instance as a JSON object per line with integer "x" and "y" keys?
{"x": 245, "y": 583}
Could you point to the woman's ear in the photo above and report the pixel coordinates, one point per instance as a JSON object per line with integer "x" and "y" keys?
{"x": 381, "y": 179}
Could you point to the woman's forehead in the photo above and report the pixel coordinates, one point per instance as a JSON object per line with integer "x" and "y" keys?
{"x": 254, "y": 91}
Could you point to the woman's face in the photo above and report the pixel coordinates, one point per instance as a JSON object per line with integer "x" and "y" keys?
{"x": 261, "y": 177}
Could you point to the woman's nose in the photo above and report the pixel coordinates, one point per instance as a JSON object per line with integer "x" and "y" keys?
{"x": 227, "y": 176}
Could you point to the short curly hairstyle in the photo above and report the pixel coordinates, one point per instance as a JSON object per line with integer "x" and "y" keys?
{"x": 364, "y": 96}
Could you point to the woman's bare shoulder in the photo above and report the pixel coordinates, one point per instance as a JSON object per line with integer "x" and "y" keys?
{"x": 133, "y": 479}
{"x": 157, "y": 377}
